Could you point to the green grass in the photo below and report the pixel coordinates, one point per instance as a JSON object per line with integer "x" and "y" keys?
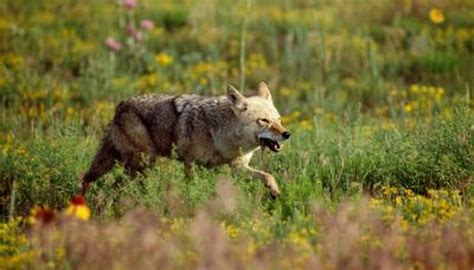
{"x": 331, "y": 162}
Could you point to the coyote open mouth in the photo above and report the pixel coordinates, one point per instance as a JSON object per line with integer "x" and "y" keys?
{"x": 271, "y": 144}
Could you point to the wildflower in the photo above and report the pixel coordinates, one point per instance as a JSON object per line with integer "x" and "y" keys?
{"x": 408, "y": 192}
{"x": 147, "y": 24}
{"x": 133, "y": 32}
{"x": 78, "y": 208}
{"x": 12, "y": 61}
{"x": 138, "y": 36}
{"x": 408, "y": 107}
{"x": 41, "y": 214}
{"x": 113, "y": 45}
{"x": 130, "y": 29}
{"x": 232, "y": 231}
{"x": 398, "y": 200}
{"x": 439, "y": 91}
{"x": 129, "y": 4}
{"x": 388, "y": 190}
{"x": 163, "y": 59}
{"x": 4, "y": 24}
{"x": 13, "y": 245}
{"x": 256, "y": 63}
{"x": 305, "y": 124}
{"x": 414, "y": 88}
{"x": 299, "y": 239}
{"x": 251, "y": 249}
{"x": 177, "y": 225}
{"x": 436, "y": 15}
{"x": 462, "y": 35}
{"x": 286, "y": 91}
{"x": 148, "y": 81}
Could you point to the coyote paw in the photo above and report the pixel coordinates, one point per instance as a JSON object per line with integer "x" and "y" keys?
{"x": 272, "y": 185}
{"x": 275, "y": 193}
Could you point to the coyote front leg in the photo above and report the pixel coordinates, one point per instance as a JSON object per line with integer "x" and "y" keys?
{"x": 265, "y": 177}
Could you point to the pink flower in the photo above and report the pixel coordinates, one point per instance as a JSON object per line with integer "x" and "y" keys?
{"x": 133, "y": 32}
{"x": 113, "y": 44}
{"x": 130, "y": 4}
{"x": 138, "y": 36}
{"x": 147, "y": 24}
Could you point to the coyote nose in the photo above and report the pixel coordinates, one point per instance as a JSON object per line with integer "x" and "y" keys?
{"x": 286, "y": 135}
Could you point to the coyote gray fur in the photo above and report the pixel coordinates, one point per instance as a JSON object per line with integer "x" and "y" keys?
{"x": 210, "y": 131}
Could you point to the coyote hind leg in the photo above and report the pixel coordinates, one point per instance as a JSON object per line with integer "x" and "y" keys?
{"x": 127, "y": 141}
{"x": 133, "y": 141}
{"x": 135, "y": 136}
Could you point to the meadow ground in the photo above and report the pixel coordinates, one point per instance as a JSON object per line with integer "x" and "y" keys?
{"x": 377, "y": 175}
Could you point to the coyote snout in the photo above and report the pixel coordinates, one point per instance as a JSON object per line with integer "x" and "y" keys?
{"x": 274, "y": 134}
{"x": 210, "y": 131}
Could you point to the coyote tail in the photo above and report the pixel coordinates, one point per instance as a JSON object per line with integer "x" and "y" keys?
{"x": 103, "y": 162}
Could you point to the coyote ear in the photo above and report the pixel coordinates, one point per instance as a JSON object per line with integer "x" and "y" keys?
{"x": 263, "y": 91}
{"x": 236, "y": 98}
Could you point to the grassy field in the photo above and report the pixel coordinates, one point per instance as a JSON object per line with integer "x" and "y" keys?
{"x": 377, "y": 175}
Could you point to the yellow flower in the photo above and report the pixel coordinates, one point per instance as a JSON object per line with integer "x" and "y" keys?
{"x": 81, "y": 211}
{"x": 439, "y": 92}
{"x": 13, "y": 246}
{"x": 232, "y": 231}
{"x": 177, "y": 225}
{"x": 461, "y": 35}
{"x": 285, "y": 91}
{"x": 256, "y": 63}
{"x": 12, "y": 61}
{"x": 408, "y": 107}
{"x": 78, "y": 208}
{"x": 4, "y": 24}
{"x": 163, "y": 59}
{"x": 398, "y": 200}
{"x": 436, "y": 15}
{"x": 148, "y": 82}
{"x": 409, "y": 192}
{"x": 305, "y": 124}
{"x": 414, "y": 88}
{"x": 404, "y": 225}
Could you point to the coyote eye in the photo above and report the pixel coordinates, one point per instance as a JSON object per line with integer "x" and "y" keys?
{"x": 263, "y": 121}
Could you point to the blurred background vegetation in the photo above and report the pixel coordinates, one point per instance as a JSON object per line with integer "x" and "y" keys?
{"x": 317, "y": 56}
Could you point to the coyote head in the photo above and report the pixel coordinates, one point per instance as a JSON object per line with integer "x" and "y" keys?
{"x": 259, "y": 120}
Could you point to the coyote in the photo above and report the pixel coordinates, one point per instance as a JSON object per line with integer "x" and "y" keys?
{"x": 210, "y": 131}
